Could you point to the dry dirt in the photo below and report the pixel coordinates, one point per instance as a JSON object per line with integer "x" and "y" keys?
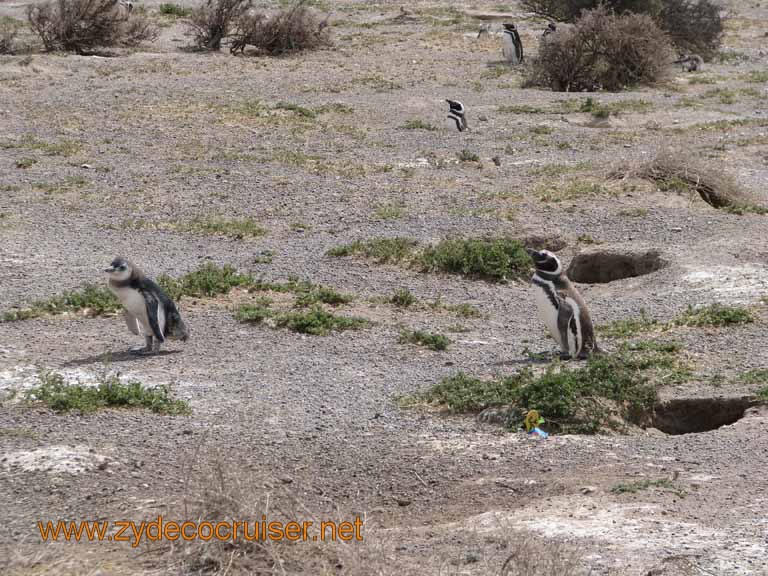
{"x": 163, "y": 134}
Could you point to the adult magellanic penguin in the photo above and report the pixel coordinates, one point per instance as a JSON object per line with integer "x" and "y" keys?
{"x": 148, "y": 310}
{"x": 513, "y": 46}
{"x": 457, "y": 113}
{"x": 561, "y": 307}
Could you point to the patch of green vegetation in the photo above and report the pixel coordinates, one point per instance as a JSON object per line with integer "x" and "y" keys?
{"x": 308, "y": 294}
{"x": 464, "y": 310}
{"x": 652, "y": 346}
{"x": 724, "y": 95}
{"x": 763, "y": 393}
{"x": 756, "y": 76}
{"x": 63, "y": 148}
{"x": 633, "y": 212}
{"x": 418, "y": 125}
{"x": 741, "y": 208}
{"x": 701, "y": 79}
{"x": 97, "y": 299}
{"x": 552, "y": 170}
{"x": 600, "y": 110}
{"x": 715, "y": 315}
{"x": 629, "y": 327}
{"x": 110, "y": 392}
{"x": 495, "y": 72}
{"x": 299, "y": 227}
{"x": 570, "y": 191}
{"x": 378, "y": 83}
{"x": 571, "y": 399}
{"x": 299, "y": 110}
{"x": 541, "y": 130}
{"x": 381, "y": 250}
{"x": 468, "y": 156}
{"x": 402, "y": 298}
{"x": 521, "y": 109}
{"x": 496, "y": 259}
{"x": 236, "y": 228}
{"x": 457, "y": 329}
{"x": 758, "y": 376}
{"x": 25, "y": 163}
{"x": 207, "y": 281}
{"x": 731, "y": 57}
{"x": 175, "y": 10}
{"x": 429, "y": 340}
{"x": 318, "y": 322}
{"x": 638, "y": 485}
{"x": 586, "y": 239}
{"x": 390, "y": 211}
{"x": 255, "y": 313}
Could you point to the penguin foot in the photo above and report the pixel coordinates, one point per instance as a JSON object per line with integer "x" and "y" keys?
{"x": 565, "y": 356}
{"x": 142, "y": 351}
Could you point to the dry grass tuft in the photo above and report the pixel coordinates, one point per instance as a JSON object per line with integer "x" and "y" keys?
{"x": 9, "y": 30}
{"x": 678, "y": 172}
{"x": 211, "y": 21}
{"x": 85, "y": 25}
{"x": 295, "y": 29}
{"x": 602, "y": 50}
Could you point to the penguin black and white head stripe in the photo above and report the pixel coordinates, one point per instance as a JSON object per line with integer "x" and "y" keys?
{"x": 561, "y": 306}
{"x": 457, "y": 113}
{"x": 147, "y": 309}
{"x": 512, "y": 45}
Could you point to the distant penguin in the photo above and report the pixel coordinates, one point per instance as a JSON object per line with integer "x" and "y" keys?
{"x": 561, "y": 307}
{"x": 147, "y": 309}
{"x": 484, "y": 32}
{"x": 550, "y": 29}
{"x": 513, "y": 46}
{"x": 457, "y": 113}
{"x": 690, "y": 62}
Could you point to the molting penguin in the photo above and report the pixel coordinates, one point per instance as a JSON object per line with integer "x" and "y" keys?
{"x": 457, "y": 113}
{"x": 513, "y": 46}
{"x": 562, "y": 307}
{"x": 148, "y": 310}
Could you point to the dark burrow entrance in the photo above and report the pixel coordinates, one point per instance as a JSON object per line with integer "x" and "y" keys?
{"x": 692, "y": 415}
{"x": 601, "y": 266}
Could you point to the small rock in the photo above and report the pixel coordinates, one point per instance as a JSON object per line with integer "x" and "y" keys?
{"x": 588, "y": 490}
{"x": 286, "y": 479}
{"x": 403, "y": 501}
{"x": 86, "y": 166}
{"x": 483, "y": 118}
{"x": 676, "y": 229}
{"x": 496, "y": 160}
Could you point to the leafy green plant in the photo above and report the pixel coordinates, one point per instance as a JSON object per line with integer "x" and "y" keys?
{"x": 716, "y": 315}
{"x": 111, "y": 392}
{"x": 429, "y": 340}
{"x": 318, "y": 322}
{"x": 403, "y": 298}
{"x": 492, "y": 259}
{"x": 381, "y": 250}
{"x": 207, "y": 281}
{"x": 97, "y": 299}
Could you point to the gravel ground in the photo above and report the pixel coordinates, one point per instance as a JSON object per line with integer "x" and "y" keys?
{"x": 164, "y": 135}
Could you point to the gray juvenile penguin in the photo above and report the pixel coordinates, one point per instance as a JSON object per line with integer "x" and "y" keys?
{"x": 457, "y": 113}
{"x": 148, "y": 310}
{"x": 561, "y": 307}
{"x": 690, "y": 62}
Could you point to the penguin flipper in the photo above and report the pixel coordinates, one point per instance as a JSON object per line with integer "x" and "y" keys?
{"x": 565, "y": 323}
{"x": 153, "y": 307}
{"x": 132, "y": 322}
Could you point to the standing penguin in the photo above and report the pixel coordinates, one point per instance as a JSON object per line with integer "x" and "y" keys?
{"x": 147, "y": 309}
{"x": 513, "y": 46}
{"x": 457, "y": 113}
{"x": 562, "y": 307}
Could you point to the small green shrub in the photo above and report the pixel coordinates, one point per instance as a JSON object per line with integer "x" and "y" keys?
{"x": 629, "y": 327}
{"x": 429, "y": 340}
{"x": 98, "y": 299}
{"x": 418, "y": 125}
{"x": 312, "y": 294}
{"x": 637, "y": 485}
{"x": 468, "y": 156}
{"x": 111, "y": 392}
{"x": 318, "y": 322}
{"x": 255, "y": 313}
{"x": 715, "y": 315}
{"x": 403, "y": 298}
{"x": 176, "y": 10}
{"x": 381, "y": 250}
{"x": 490, "y": 259}
{"x": 207, "y": 281}
{"x": 758, "y": 376}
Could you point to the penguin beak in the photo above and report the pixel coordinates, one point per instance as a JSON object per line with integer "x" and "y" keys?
{"x": 532, "y": 253}
{"x": 109, "y": 270}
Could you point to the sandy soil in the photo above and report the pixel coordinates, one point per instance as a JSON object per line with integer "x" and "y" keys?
{"x": 163, "y": 135}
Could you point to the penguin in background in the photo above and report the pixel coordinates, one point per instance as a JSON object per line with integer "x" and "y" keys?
{"x": 561, "y": 307}
{"x": 512, "y": 45}
{"x": 457, "y": 113}
{"x": 147, "y": 309}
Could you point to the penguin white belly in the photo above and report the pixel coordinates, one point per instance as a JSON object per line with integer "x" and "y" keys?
{"x": 136, "y": 306}
{"x": 548, "y": 313}
{"x": 508, "y": 49}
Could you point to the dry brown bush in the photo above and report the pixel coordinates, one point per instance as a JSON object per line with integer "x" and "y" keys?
{"x": 295, "y": 29}
{"x": 602, "y": 50}
{"x": 677, "y": 171}
{"x": 693, "y": 26}
{"x": 84, "y": 25}
{"x": 212, "y": 21}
